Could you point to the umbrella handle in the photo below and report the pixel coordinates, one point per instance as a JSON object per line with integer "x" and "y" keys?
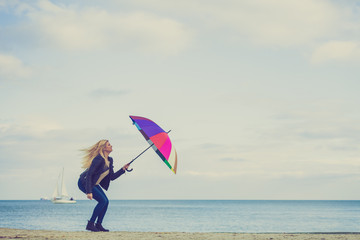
{"x": 129, "y": 170}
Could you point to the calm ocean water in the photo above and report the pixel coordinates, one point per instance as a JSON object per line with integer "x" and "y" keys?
{"x": 188, "y": 215}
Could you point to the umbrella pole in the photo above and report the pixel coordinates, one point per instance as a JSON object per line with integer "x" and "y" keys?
{"x": 129, "y": 170}
{"x": 141, "y": 153}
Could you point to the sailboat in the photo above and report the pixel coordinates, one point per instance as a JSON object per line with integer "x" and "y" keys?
{"x": 60, "y": 194}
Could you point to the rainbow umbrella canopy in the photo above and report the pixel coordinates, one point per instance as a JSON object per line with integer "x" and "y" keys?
{"x": 158, "y": 139}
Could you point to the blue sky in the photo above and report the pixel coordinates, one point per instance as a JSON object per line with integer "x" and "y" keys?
{"x": 261, "y": 96}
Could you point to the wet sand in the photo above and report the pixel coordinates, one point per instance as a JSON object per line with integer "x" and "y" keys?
{"x": 6, "y": 233}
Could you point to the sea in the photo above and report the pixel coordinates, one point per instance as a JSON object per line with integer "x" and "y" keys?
{"x": 235, "y": 216}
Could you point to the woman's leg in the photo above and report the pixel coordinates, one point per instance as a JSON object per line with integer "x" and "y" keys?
{"x": 105, "y": 205}
{"x": 101, "y": 207}
{"x": 90, "y": 226}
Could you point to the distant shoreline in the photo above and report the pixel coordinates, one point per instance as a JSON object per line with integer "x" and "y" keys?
{"x": 84, "y": 199}
{"x": 9, "y": 233}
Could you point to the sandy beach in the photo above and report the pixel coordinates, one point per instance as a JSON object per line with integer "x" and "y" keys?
{"x": 6, "y": 233}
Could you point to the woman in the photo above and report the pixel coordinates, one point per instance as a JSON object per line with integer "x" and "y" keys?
{"x": 99, "y": 171}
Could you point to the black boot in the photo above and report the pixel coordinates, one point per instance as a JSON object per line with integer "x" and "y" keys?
{"x": 100, "y": 227}
{"x": 91, "y": 227}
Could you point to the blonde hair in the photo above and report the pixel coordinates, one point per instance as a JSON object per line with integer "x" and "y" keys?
{"x": 92, "y": 152}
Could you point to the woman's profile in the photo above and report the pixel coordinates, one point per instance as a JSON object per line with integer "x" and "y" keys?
{"x": 96, "y": 177}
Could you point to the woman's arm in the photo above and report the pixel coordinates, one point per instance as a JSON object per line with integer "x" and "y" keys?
{"x": 95, "y": 164}
{"x": 121, "y": 171}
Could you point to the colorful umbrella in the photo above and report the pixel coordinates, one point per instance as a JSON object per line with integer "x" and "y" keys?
{"x": 158, "y": 139}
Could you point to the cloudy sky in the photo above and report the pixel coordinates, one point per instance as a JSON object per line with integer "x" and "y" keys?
{"x": 262, "y": 96}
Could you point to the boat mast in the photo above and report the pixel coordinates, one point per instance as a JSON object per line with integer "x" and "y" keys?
{"x": 62, "y": 182}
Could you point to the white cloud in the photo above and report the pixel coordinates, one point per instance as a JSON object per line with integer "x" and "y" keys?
{"x": 103, "y": 93}
{"x": 29, "y": 127}
{"x": 40, "y": 125}
{"x": 265, "y": 22}
{"x": 336, "y": 51}
{"x": 12, "y": 68}
{"x": 280, "y": 22}
{"x": 90, "y": 28}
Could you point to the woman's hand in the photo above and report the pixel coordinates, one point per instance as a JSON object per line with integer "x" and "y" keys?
{"x": 125, "y": 167}
{"x": 89, "y": 196}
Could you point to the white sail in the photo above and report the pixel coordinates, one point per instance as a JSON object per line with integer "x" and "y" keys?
{"x": 55, "y": 193}
{"x": 60, "y": 194}
{"x": 63, "y": 192}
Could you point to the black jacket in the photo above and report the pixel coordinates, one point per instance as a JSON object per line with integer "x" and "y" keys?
{"x": 91, "y": 175}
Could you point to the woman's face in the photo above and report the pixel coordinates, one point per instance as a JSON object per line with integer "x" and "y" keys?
{"x": 108, "y": 147}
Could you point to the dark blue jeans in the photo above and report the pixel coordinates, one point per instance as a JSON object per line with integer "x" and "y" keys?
{"x": 103, "y": 202}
